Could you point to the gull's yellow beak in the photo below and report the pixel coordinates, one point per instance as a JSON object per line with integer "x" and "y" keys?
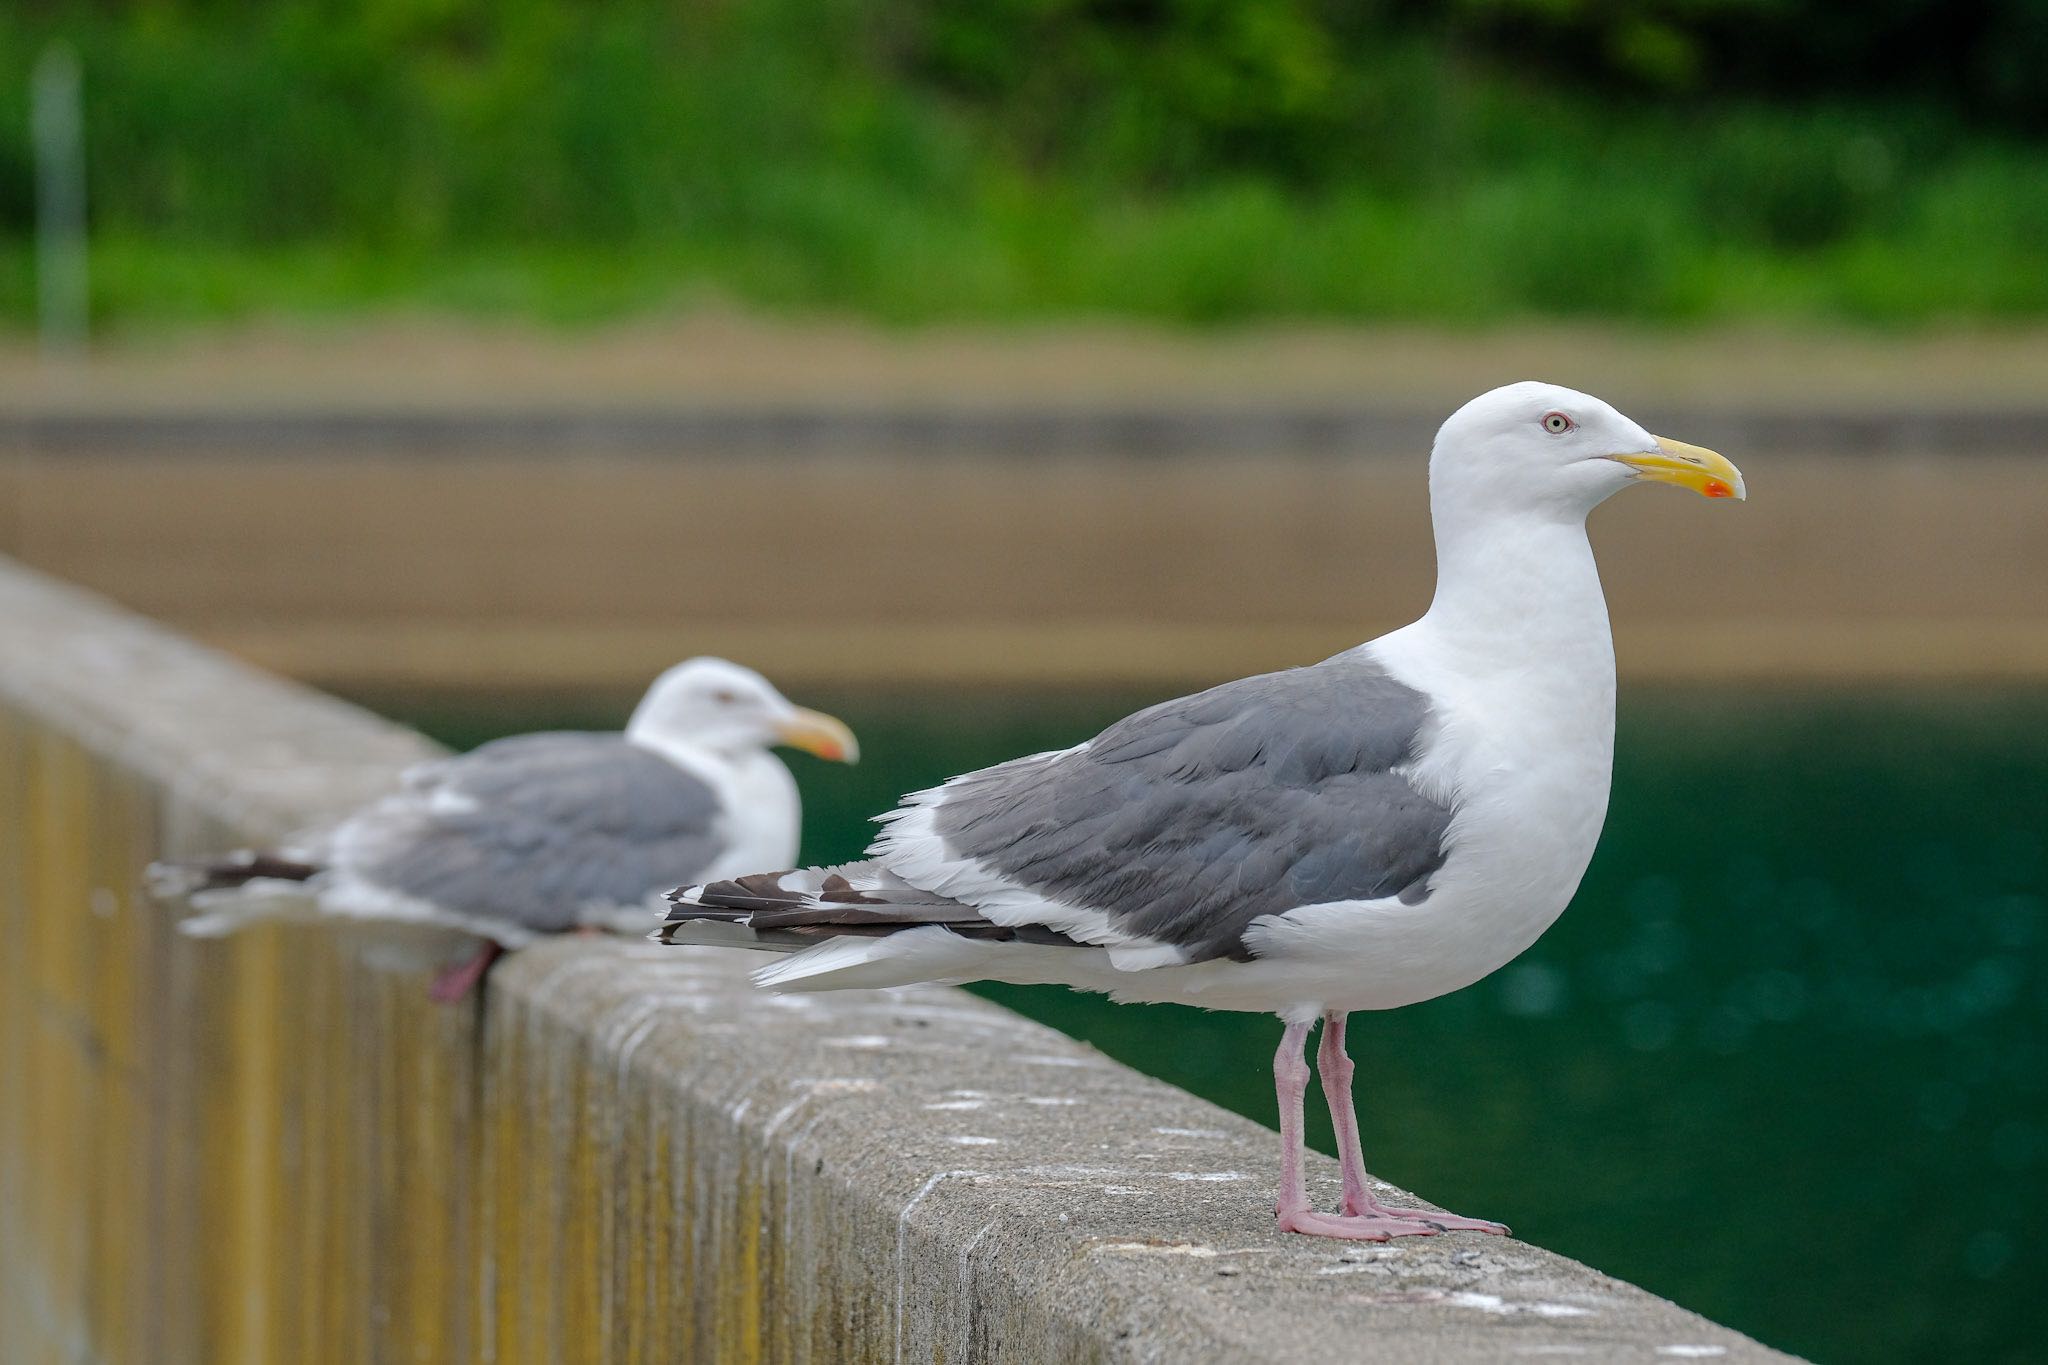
{"x": 1703, "y": 471}
{"x": 817, "y": 733}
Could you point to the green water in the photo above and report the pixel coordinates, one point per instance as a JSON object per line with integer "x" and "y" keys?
{"x": 1783, "y": 1060}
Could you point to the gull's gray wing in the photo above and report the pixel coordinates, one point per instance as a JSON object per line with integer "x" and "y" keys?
{"x": 1184, "y": 823}
{"x": 539, "y": 830}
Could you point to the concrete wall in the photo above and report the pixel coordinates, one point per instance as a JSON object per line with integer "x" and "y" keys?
{"x": 461, "y": 558}
{"x": 276, "y": 1149}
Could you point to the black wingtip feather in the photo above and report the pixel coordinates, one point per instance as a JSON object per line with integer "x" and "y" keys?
{"x": 175, "y": 880}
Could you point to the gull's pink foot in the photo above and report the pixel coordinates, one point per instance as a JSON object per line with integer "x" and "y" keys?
{"x": 452, "y": 983}
{"x": 1442, "y": 1222}
{"x": 1355, "y": 1229}
{"x": 1364, "y": 1219}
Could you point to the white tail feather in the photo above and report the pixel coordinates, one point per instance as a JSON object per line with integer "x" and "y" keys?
{"x": 225, "y": 911}
{"x": 899, "y": 959}
{"x": 833, "y": 965}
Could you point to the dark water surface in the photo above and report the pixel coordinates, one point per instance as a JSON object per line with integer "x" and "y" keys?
{"x": 1785, "y": 1060}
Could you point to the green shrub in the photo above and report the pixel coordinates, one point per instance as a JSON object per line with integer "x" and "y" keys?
{"x": 1198, "y": 160}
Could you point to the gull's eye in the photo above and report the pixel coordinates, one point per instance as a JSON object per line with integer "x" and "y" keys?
{"x": 725, "y": 696}
{"x": 1557, "y": 424}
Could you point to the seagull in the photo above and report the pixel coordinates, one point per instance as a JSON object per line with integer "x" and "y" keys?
{"x": 547, "y": 833}
{"x": 1377, "y": 829}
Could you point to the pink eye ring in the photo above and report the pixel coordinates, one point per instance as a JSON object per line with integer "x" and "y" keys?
{"x": 1557, "y": 423}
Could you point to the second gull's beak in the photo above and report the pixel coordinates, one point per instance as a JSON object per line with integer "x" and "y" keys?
{"x": 817, "y": 733}
{"x": 1704, "y": 471}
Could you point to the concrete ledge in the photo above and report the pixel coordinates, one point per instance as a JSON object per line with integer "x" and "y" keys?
{"x": 277, "y": 1149}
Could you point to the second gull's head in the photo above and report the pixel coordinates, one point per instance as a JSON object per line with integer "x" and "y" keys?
{"x": 719, "y": 706}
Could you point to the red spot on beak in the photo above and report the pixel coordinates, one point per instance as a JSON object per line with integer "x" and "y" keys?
{"x": 1716, "y": 489}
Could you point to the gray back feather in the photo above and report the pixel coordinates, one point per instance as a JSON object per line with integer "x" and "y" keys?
{"x": 535, "y": 828}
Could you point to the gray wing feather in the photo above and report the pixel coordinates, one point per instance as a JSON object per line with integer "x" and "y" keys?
{"x": 1187, "y": 821}
{"x": 537, "y": 828}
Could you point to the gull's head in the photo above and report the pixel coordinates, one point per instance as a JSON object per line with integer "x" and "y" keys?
{"x": 718, "y": 706}
{"x": 1553, "y": 450}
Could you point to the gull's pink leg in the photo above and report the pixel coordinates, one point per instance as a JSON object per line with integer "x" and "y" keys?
{"x": 1334, "y": 1066}
{"x": 452, "y": 983}
{"x": 1290, "y": 1084}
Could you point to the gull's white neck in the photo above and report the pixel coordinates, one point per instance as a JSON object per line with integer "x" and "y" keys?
{"x": 753, "y": 786}
{"x": 1519, "y": 594}
{"x": 644, "y": 731}
{"x": 1515, "y": 647}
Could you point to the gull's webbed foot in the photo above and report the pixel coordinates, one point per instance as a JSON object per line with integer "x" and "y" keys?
{"x": 1370, "y": 1208}
{"x": 1353, "y": 1228}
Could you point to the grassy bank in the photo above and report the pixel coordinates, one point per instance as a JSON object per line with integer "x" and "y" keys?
{"x": 1500, "y": 251}
{"x": 535, "y": 161}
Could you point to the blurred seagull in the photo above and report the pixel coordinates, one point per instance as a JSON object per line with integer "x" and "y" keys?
{"x": 547, "y": 833}
{"x": 1377, "y": 829}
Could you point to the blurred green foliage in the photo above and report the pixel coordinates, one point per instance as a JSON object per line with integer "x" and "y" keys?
{"x": 1184, "y": 159}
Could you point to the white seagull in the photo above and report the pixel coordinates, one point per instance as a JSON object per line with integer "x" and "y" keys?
{"x": 547, "y": 833}
{"x": 1360, "y": 834}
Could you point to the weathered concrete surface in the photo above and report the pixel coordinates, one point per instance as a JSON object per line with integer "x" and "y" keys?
{"x": 276, "y": 1149}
